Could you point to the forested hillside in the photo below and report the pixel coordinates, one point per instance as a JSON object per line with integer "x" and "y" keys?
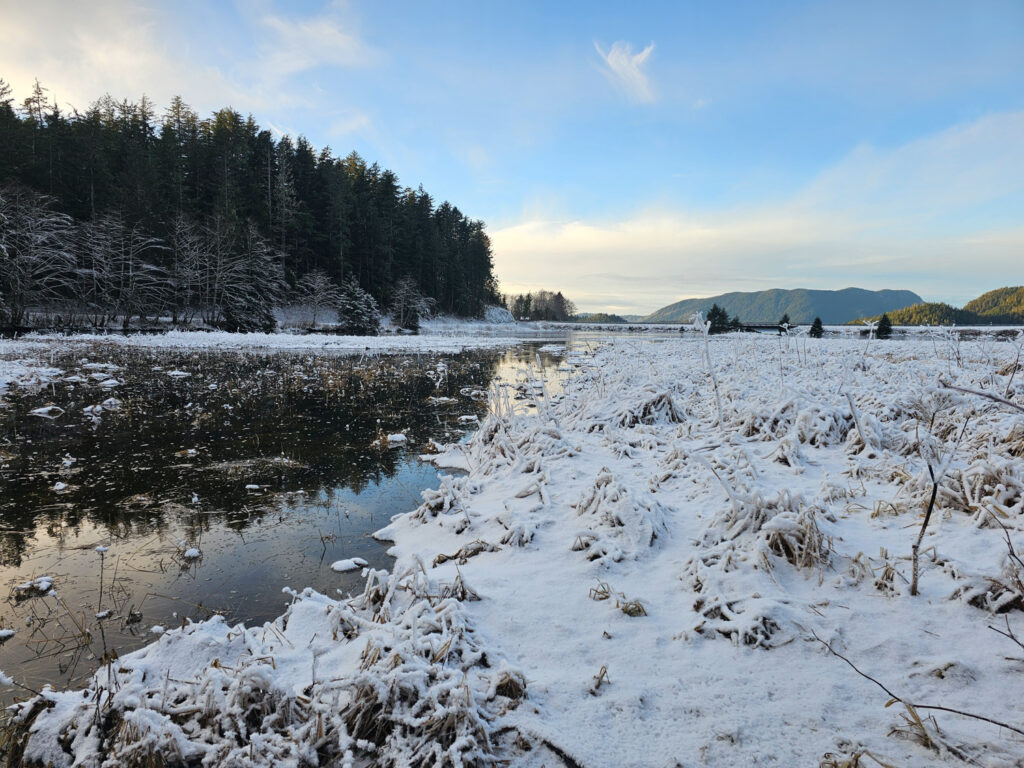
{"x": 122, "y": 210}
{"x": 801, "y": 305}
{"x": 1003, "y": 306}
{"x": 927, "y": 313}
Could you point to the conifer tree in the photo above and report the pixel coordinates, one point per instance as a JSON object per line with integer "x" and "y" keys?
{"x": 358, "y": 314}
{"x": 719, "y": 319}
{"x": 817, "y": 331}
{"x": 884, "y": 330}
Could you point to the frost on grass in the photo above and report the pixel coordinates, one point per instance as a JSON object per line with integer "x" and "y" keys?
{"x": 742, "y": 517}
{"x": 393, "y": 676}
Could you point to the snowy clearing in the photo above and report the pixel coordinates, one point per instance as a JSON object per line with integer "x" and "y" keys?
{"x": 668, "y": 563}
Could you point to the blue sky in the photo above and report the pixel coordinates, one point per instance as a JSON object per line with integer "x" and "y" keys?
{"x": 628, "y": 155}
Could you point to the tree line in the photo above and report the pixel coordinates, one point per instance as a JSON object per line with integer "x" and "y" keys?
{"x": 720, "y": 322}
{"x": 118, "y": 212}
{"x": 542, "y": 305}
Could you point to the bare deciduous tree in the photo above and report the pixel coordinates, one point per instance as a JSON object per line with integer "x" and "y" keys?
{"x": 409, "y": 305}
{"x": 316, "y": 290}
{"x": 36, "y": 267}
{"x": 116, "y": 274}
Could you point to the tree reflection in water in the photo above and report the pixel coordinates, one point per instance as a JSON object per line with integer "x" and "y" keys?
{"x": 272, "y": 465}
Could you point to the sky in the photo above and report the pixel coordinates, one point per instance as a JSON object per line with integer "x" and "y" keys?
{"x": 628, "y": 155}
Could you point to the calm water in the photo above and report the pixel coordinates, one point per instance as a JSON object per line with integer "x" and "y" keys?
{"x": 271, "y": 465}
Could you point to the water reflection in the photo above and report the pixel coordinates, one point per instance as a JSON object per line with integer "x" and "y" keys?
{"x": 268, "y": 466}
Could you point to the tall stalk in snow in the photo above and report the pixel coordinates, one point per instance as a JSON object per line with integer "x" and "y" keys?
{"x": 1016, "y": 363}
{"x": 936, "y": 478}
{"x": 872, "y": 325}
{"x": 704, "y": 326}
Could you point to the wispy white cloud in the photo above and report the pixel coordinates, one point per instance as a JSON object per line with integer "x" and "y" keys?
{"x": 112, "y": 46}
{"x": 905, "y": 217}
{"x": 625, "y": 70}
{"x": 297, "y": 45}
{"x": 352, "y": 124}
{"x": 128, "y": 48}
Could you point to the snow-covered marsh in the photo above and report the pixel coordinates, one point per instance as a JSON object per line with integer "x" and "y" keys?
{"x": 254, "y": 342}
{"x": 624, "y": 577}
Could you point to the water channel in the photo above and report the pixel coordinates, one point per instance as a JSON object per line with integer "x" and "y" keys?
{"x": 146, "y": 488}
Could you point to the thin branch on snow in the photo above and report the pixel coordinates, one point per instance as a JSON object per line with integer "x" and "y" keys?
{"x": 989, "y": 395}
{"x": 910, "y": 705}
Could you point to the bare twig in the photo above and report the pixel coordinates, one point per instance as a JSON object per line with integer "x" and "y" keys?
{"x": 910, "y": 705}
{"x": 1008, "y": 633}
{"x": 989, "y": 395}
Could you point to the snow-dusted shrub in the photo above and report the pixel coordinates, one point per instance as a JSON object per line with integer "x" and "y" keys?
{"x": 823, "y": 426}
{"x": 991, "y": 484}
{"x": 618, "y": 526}
{"x": 656, "y": 408}
{"x": 768, "y": 422}
{"x": 796, "y": 537}
{"x": 744, "y": 621}
{"x": 423, "y": 692}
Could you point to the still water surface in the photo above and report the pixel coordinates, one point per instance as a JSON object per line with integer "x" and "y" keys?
{"x": 271, "y": 465}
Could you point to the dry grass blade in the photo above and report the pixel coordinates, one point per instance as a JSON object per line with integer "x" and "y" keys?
{"x": 831, "y": 760}
{"x": 633, "y": 608}
{"x": 600, "y": 678}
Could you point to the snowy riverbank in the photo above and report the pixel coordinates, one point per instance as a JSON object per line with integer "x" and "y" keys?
{"x": 632, "y": 574}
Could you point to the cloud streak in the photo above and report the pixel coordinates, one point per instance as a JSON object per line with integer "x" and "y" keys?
{"x": 625, "y": 70}
{"x": 298, "y": 45}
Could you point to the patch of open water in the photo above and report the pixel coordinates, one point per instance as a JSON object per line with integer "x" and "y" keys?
{"x": 272, "y": 466}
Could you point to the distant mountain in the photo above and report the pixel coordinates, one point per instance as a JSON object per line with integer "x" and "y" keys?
{"x": 802, "y": 305}
{"x": 1003, "y": 306}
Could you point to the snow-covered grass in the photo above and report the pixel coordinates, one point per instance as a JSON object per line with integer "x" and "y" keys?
{"x": 632, "y": 574}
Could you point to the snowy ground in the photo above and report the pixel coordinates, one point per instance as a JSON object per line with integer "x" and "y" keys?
{"x": 655, "y": 567}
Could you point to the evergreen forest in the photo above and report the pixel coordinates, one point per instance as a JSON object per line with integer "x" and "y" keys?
{"x": 122, "y": 212}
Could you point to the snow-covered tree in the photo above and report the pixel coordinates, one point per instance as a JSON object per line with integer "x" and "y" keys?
{"x": 188, "y": 257}
{"x": 358, "y": 314}
{"x": 408, "y": 305}
{"x": 117, "y": 277}
{"x": 36, "y": 266}
{"x": 256, "y": 285}
{"x": 316, "y": 290}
